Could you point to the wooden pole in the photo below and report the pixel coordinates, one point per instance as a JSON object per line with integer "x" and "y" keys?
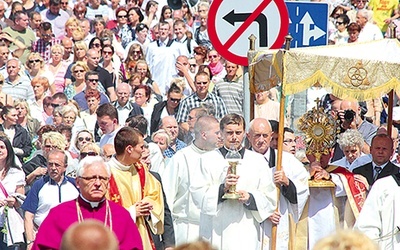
{"x": 392, "y": 27}
{"x": 278, "y": 167}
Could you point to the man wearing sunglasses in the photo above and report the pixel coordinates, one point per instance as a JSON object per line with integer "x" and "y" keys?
{"x": 47, "y": 193}
{"x": 202, "y": 82}
{"x": 45, "y": 42}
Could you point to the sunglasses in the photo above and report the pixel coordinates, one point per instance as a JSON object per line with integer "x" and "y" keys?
{"x": 339, "y": 23}
{"x": 80, "y": 139}
{"x": 1, "y": 82}
{"x": 97, "y": 45}
{"x": 212, "y": 56}
{"x": 193, "y": 65}
{"x": 34, "y": 61}
{"x": 175, "y": 100}
{"x": 54, "y": 105}
{"x": 79, "y": 71}
{"x": 93, "y": 80}
{"x": 124, "y": 16}
{"x": 107, "y": 52}
{"x": 201, "y": 83}
{"x": 136, "y": 52}
{"x": 84, "y": 154}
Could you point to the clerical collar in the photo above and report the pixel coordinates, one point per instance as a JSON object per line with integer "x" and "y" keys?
{"x": 224, "y": 151}
{"x": 93, "y": 204}
{"x": 197, "y": 149}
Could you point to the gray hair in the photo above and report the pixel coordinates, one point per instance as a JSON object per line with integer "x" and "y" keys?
{"x": 163, "y": 133}
{"x": 350, "y": 137}
{"x": 89, "y": 161}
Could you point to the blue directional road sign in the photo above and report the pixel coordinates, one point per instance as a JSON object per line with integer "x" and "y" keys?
{"x": 308, "y": 23}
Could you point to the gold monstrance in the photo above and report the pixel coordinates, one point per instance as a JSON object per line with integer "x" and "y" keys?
{"x": 320, "y": 131}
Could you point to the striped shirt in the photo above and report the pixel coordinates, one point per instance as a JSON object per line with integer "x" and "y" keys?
{"x": 193, "y": 101}
{"x": 231, "y": 93}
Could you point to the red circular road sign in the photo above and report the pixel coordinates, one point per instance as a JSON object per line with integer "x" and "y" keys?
{"x": 246, "y": 19}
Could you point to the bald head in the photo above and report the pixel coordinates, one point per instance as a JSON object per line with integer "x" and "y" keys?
{"x": 259, "y": 135}
{"x": 350, "y": 104}
{"x": 89, "y": 235}
{"x": 170, "y": 125}
{"x": 123, "y": 93}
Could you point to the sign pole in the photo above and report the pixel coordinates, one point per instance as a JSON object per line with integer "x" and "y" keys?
{"x": 274, "y": 229}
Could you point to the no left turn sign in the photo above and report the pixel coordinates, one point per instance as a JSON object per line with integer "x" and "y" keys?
{"x": 231, "y": 22}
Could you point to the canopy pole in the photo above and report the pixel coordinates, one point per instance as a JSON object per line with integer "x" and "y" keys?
{"x": 392, "y": 27}
{"x": 278, "y": 166}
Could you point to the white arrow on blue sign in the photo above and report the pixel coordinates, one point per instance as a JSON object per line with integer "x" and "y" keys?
{"x": 308, "y": 24}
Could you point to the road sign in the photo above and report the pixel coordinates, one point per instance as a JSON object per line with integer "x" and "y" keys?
{"x": 231, "y": 22}
{"x": 308, "y": 23}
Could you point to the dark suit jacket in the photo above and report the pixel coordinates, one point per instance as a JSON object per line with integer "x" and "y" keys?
{"x": 368, "y": 172}
{"x": 156, "y": 116}
{"x": 167, "y": 239}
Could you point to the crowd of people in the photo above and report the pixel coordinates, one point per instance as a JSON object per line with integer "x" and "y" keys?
{"x": 122, "y": 112}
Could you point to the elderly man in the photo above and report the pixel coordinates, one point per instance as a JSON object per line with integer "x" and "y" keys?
{"x": 133, "y": 187}
{"x": 15, "y": 85}
{"x": 125, "y": 107}
{"x": 47, "y": 193}
{"x": 170, "y": 125}
{"x": 292, "y": 179}
{"x": 233, "y": 223}
{"x": 92, "y": 181}
{"x": 177, "y": 179}
{"x": 369, "y": 31}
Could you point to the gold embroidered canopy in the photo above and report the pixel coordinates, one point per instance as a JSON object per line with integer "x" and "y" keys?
{"x": 356, "y": 70}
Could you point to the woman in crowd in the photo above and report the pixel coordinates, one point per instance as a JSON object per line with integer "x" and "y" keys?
{"x": 71, "y": 25}
{"x": 142, "y": 39}
{"x": 57, "y": 116}
{"x": 89, "y": 149}
{"x": 25, "y": 119}
{"x": 162, "y": 139}
{"x": 166, "y": 13}
{"x": 200, "y": 54}
{"x": 143, "y": 69}
{"x": 135, "y": 17}
{"x": 151, "y": 18}
{"x": 78, "y": 70}
{"x": 350, "y": 142}
{"x": 89, "y": 116}
{"x": 109, "y": 65}
{"x": 187, "y": 14}
{"x": 4, "y": 98}
{"x": 340, "y": 35}
{"x": 80, "y": 10}
{"x": 68, "y": 115}
{"x": 216, "y": 66}
{"x": 142, "y": 94}
{"x": 80, "y": 49}
{"x": 82, "y": 138}
{"x": 13, "y": 181}
{"x": 121, "y": 28}
{"x": 35, "y": 66}
{"x": 21, "y": 141}
{"x": 354, "y": 30}
{"x": 135, "y": 54}
{"x": 48, "y": 110}
{"x": 40, "y": 87}
{"x": 98, "y": 25}
{"x": 96, "y": 43}
{"x": 58, "y": 67}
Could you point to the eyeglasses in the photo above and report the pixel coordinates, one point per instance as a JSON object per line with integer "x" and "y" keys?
{"x": 94, "y": 178}
{"x": 47, "y": 35}
{"x": 97, "y": 45}
{"x": 339, "y": 23}
{"x": 175, "y": 100}
{"x": 34, "y": 61}
{"x": 79, "y": 71}
{"x": 212, "y": 56}
{"x": 201, "y": 83}
{"x": 84, "y": 138}
{"x": 84, "y": 154}
{"x": 50, "y": 146}
{"x": 193, "y": 65}
{"x": 54, "y": 105}
{"x": 107, "y": 52}
{"x": 93, "y": 80}
{"x": 123, "y": 16}
{"x": 137, "y": 52}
